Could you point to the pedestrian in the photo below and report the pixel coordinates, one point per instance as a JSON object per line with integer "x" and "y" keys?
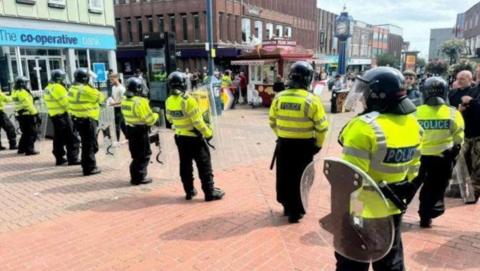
{"x": 384, "y": 142}
{"x": 467, "y": 98}
{"x": 216, "y": 84}
{"x": 139, "y": 118}
{"x": 6, "y": 124}
{"x": 278, "y": 85}
{"x": 64, "y": 137}
{"x": 118, "y": 90}
{"x": 243, "y": 87}
{"x": 191, "y": 137}
{"x": 235, "y": 88}
{"x": 109, "y": 84}
{"x": 84, "y": 107}
{"x": 27, "y": 116}
{"x": 443, "y": 137}
{"x": 298, "y": 119}
{"x": 413, "y": 92}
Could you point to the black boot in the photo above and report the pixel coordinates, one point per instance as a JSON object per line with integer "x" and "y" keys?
{"x": 294, "y": 218}
{"x": 60, "y": 161}
{"x": 191, "y": 194}
{"x": 94, "y": 171}
{"x": 425, "y": 222}
{"x": 215, "y": 194}
{"x": 144, "y": 181}
{"x": 2, "y": 148}
{"x": 13, "y": 145}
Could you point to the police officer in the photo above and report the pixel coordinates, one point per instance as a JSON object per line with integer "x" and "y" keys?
{"x": 27, "y": 116}
{"x": 383, "y": 141}
{"x": 56, "y": 99}
{"x": 298, "y": 119}
{"x": 84, "y": 107}
{"x": 191, "y": 136}
{"x": 6, "y": 124}
{"x": 443, "y": 126}
{"x": 138, "y": 118}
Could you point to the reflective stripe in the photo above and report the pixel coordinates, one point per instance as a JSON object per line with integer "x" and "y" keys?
{"x": 453, "y": 112}
{"x": 288, "y": 118}
{"x": 377, "y": 166}
{"x": 291, "y": 95}
{"x": 356, "y": 153}
{"x": 186, "y": 126}
{"x": 438, "y": 148}
{"x": 295, "y": 129}
{"x": 322, "y": 130}
{"x": 272, "y": 119}
{"x": 308, "y": 102}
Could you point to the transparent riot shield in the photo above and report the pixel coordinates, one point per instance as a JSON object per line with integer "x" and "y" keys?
{"x": 356, "y": 222}
{"x": 109, "y": 154}
{"x": 210, "y": 108}
{"x": 157, "y": 138}
{"x": 463, "y": 180}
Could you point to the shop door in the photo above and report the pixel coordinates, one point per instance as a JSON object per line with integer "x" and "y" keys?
{"x": 37, "y": 73}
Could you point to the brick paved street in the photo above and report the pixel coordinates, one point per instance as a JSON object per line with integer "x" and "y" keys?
{"x": 53, "y": 219}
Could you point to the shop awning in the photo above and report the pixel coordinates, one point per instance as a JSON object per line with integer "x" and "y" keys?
{"x": 253, "y": 62}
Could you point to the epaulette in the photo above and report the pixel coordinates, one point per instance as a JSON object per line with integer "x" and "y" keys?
{"x": 369, "y": 117}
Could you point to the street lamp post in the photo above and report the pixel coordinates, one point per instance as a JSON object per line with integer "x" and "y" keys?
{"x": 210, "y": 37}
{"x": 342, "y": 32}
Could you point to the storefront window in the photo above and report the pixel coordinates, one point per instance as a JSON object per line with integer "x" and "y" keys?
{"x": 82, "y": 60}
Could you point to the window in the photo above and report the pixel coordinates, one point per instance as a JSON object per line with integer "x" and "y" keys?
{"x": 172, "y": 23}
{"x": 56, "y": 3}
{"x": 118, "y": 26}
{"x": 269, "y": 28}
{"x": 220, "y": 25}
{"x": 150, "y": 24}
{"x": 279, "y": 31}
{"x": 129, "y": 29}
{"x": 95, "y": 6}
{"x": 259, "y": 30}
{"x": 185, "y": 27}
{"x": 246, "y": 32}
{"x": 161, "y": 25}
{"x": 288, "y": 32}
{"x": 139, "y": 28}
{"x": 196, "y": 27}
{"x": 229, "y": 33}
{"x": 29, "y": 2}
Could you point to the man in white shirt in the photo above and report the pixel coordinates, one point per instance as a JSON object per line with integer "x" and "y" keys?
{"x": 118, "y": 90}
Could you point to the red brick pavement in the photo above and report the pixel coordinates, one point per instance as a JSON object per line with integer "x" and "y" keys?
{"x": 159, "y": 230}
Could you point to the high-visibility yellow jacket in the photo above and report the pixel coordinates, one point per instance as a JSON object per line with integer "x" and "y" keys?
{"x": 4, "y": 99}
{"x": 443, "y": 126}
{"x": 24, "y": 102}
{"x": 226, "y": 81}
{"x": 137, "y": 111}
{"x": 387, "y": 148}
{"x": 298, "y": 114}
{"x": 84, "y": 101}
{"x": 56, "y": 98}
{"x": 183, "y": 112}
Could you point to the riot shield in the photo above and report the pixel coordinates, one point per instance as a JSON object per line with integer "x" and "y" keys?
{"x": 109, "y": 148}
{"x": 210, "y": 108}
{"x": 156, "y": 137}
{"x": 463, "y": 180}
{"x": 357, "y": 222}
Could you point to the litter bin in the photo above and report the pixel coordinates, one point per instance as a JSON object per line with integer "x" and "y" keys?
{"x": 338, "y": 100}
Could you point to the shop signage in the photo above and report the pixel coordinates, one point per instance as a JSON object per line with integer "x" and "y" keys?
{"x": 278, "y": 43}
{"x": 100, "y": 70}
{"x": 54, "y": 39}
{"x": 254, "y": 11}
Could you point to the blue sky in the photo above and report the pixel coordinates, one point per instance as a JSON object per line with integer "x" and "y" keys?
{"x": 414, "y": 16}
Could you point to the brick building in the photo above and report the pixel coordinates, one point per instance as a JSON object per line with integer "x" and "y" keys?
{"x": 238, "y": 26}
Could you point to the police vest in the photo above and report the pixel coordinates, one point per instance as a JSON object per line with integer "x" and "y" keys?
{"x": 84, "y": 101}
{"x": 386, "y": 147}
{"x": 4, "y": 99}
{"x": 298, "y": 114}
{"x": 443, "y": 126}
{"x": 56, "y": 98}
{"x": 23, "y": 102}
{"x": 183, "y": 112}
{"x": 136, "y": 111}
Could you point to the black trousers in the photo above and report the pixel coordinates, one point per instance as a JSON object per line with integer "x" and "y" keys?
{"x": 435, "y": 173}
{"x": 195, "y": 149}
{"x": 139, "y": 146}
{"x": 393, "y": 261}
{"x": 119, "y": 122}
{"x": 28, "y": 126}
{"x": 7, "y": 125}
{"x": 64, "y": 137}
{"x": 293, "y": 156}
{"x": 87, "y": 128}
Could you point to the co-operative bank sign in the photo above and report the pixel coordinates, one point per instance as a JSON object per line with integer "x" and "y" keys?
{"x": 56, "y": 39}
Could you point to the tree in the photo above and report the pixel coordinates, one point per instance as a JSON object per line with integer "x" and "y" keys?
{"x": 453, "y": 48}
{"x": 388, "y": 60}
{"x": 421, "y": 62}
{"x": 437, "y": 67}
{"x": 461, "y": 66}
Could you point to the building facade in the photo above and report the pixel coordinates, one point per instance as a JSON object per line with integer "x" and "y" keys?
{"x": 237, "y": 25}
{"x": 471, "y": 32}
{"x": 326, "y": 51}
{"x": 379, "y": 40}
{"x": 37, "y": 36}
{"x": 437, "y": 37}
{"x": 359, "y": 50}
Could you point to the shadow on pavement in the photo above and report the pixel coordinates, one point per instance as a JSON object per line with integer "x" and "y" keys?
{"x": 44, "y": 174}
{"x": 87, "y": 187}
{"x": 223, "y": 226}
{"x": 6, "y": 167}
{"x": 12, "y": 154}
{"x": 312, "y": 239}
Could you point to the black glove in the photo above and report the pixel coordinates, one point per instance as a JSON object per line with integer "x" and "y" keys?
{"x": 316, "y": 150}
{"x": 452, "y": 153}
{"x": 401, "y": 193}
{"x": 208, "y": 138}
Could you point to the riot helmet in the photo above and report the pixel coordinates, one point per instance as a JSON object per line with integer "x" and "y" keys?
{"x": 435, "y": 91}
{"x": 177, "y": 81}
{"x": 136, "y": 87}
{"x": 301, "y": 75}
{"x": 21, "y": 82}
{"x": 383, "y": 90}
{"x": 58, "y": 76}
{"x": 81, "y": 76}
